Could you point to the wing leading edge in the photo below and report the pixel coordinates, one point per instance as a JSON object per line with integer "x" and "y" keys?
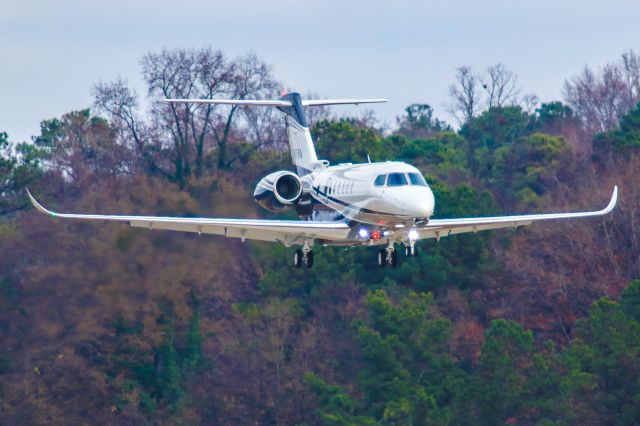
{"x": 443, "y": 227}
{"x": 285, "y": 231}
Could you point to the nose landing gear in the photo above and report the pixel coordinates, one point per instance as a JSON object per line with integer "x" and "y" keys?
{"x": 303, "y": 256}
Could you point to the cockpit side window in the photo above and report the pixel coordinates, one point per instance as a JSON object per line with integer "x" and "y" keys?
{"x": 380, "y": 180}
{"x": 397, "y": 179}
{"x": 417, "y": 179}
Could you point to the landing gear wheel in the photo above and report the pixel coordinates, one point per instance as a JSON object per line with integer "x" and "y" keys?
{"x": 297, "y": 258}
{"x": 382, "y": 258}
{"x": 308, "y": 259}
{"x": 393, "y": 261}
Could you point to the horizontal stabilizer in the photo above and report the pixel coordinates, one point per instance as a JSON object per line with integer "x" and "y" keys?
{"x": 272, "y": 102}
{"x": 277, "y": 102}
{"x": 318, "y": 102}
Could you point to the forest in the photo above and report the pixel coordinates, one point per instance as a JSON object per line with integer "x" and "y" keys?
{"x": 101, "y": 323}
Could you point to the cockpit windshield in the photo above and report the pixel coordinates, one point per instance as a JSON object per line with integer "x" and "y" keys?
{"x": 380, "y": 180}
{"x": 397, "y": 179}
{"x": 400, "y": 179}
{"x": 417, "y": 179}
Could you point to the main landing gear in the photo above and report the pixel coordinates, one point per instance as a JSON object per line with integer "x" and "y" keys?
{"x": 389, "y": 255}
{"x": 410, "y": 251}
{"x": 303, "y": 256}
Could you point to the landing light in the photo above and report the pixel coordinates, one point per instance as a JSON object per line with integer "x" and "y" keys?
{"x": 413, "y": 235}
{"x": 363, "y": 233}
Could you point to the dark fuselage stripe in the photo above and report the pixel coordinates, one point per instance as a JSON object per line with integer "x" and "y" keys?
{"x": 335, "y": 200}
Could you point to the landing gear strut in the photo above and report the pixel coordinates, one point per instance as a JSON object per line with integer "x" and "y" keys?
{"x": 303, "y": 256}
{"x": 388, "y": 256}
{"x": 411, "y": 250}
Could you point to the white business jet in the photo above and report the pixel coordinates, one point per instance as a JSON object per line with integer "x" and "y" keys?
{"x": 384, "y": 204}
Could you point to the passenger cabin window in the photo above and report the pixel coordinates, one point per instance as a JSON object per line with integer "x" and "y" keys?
{"x": 397, "y": 179}
{"x": 417, "y": 179}
{"x": 380, "y": 180}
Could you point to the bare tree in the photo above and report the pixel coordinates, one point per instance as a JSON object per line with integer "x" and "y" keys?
{"x": 251, "y": 79}
{"x": 630, "y": 66}
{"x": 530, "y": 102}
{"x": 185, "y": 74}
{"x": 600, "y": 98}
{"x": 501, "y": 86}
{"x": 186, "y": 129}
{"x": 465, "y": 96}
{"x": 121, "y": 103}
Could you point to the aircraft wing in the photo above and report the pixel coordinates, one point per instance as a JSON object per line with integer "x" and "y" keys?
{"x": 284, "y": 231}
{"x": 437, "y": 228}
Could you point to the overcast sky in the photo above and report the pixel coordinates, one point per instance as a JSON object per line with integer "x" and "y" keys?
{"x": 52, "y": 52}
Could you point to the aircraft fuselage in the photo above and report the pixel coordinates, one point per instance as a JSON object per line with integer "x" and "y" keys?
{"x": 389, "y": 194}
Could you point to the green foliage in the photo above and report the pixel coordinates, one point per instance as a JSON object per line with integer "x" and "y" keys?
{"x": 493, "y": 129}
{"x": 383, "y": 349}
{"x": 623, "y": 140}
{"x": 335, "y": 406}
{"x": 529, "y": 168}
{"x": 630, "y": 300}
{"x": 161, "y": 373}
{"x": 551, "y": 114}
{"x": 20, "y": 166}
{"x": 343, "y": 141}
{"x": 441, "y": 155}
{"x": 418, "y": 122}
{"x": 405, "y": 372}
{"x": 501, "y": 382}
{"x": 608, "y": 350}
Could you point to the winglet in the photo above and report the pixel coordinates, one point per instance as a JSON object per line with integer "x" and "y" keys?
{"x": 38, "y": 206}
{"x": 612, "y": 203}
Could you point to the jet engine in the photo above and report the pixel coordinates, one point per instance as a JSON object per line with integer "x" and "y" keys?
{"x": 278, "y": 191}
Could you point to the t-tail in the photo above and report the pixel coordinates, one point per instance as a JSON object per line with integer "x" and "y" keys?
{"x": 303, "y": 153}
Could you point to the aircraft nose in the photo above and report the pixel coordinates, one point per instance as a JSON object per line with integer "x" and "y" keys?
{"x": 419, "y": 202}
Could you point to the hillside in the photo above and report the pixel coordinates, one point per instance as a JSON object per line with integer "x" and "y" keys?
{"x": 104, "y": 324}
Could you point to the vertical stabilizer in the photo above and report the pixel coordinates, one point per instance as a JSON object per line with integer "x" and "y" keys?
{"x": 303, "y": 153}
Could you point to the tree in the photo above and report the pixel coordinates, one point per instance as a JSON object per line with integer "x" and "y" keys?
{"x": 121, "y": 104}
{"x": 345, "y": 141}
{"x": 500, "y": 382}
{"x": 20, "y": 165}
{"x": 82, "y": 147}
{"x": 622, "y": 139}
{"x": 465, "y": 95}
{"x": 531, "y": 167}
{"x": 190, "y": 130}
{"x": 406, "y": 376}
{"x": 418, "y": 122}
{"x": 601, "y": 98}
{"x": 607, "y": 349}
{"x": 501, "y": 86}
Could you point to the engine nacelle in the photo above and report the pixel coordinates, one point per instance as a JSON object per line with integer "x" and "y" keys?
{"x": 278, "y": 191}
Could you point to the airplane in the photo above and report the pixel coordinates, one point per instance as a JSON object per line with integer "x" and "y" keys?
{"x": 370, "y": 204}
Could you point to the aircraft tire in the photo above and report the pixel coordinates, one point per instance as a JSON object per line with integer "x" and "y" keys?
{"x": 297, "y": 258}
{"x": 308, "y": 260}
{"x": 382, "y": 258}
{"x": 394, "y": 259}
